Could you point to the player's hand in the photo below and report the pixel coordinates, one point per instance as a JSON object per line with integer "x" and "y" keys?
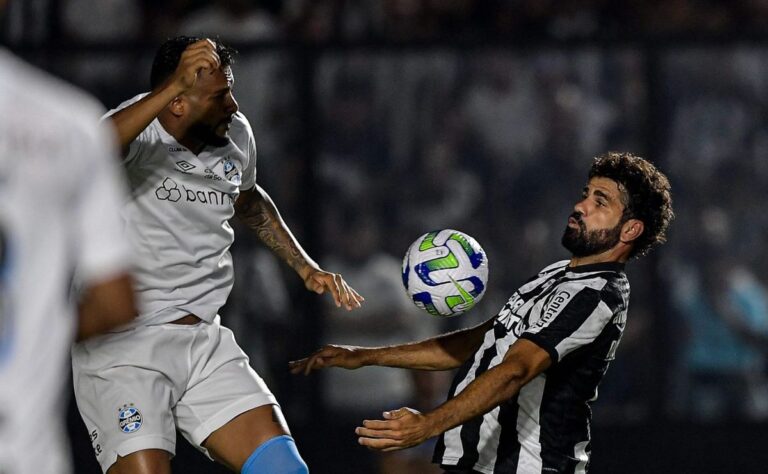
{"x": 321, "y": 281}
{"x": 200, "y": 55}
{"x": 399, "y": 429}
{"x": 346, "y": 357}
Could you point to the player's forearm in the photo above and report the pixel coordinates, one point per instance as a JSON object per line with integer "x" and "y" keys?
{"x": 523, "y": 361}
{"x": 257, "y": 211}
{"x": 425, "y": 355}
{"x": 444, "y": 352}
{"x": 132, "y": 120}
{"x": 485, "y": 393}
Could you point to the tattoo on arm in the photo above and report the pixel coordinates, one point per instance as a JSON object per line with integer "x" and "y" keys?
{"x": 261, "y": 216}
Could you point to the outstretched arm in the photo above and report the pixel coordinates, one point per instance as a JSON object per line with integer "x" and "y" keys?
{"x": 444, "y": 352}
{"x": 132, "y": 120}
{"x": 256, "y": 209}
{"x": 406, "y": 427}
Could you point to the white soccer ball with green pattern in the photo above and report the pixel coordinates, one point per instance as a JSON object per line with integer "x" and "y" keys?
{"x": 445, "y": 272}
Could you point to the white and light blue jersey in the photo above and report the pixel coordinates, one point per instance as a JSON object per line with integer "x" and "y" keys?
{"x": 177, "y": 219}
{"x": 60, "y": 196}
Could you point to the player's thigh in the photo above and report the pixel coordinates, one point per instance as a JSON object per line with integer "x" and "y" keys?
{"x": 148, "y": 461}
{"x": 224, "y": 394}
{"x": 233, "y": 443}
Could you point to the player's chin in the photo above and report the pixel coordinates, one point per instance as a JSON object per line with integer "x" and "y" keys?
{"x": 222, "y": 131}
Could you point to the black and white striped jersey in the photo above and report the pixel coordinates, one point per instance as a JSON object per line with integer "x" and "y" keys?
{"x": 577, "y": 315}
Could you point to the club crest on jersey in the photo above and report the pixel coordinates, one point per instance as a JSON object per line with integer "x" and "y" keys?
{"x": 231, "y": 173}
{"x": 129, "y": 418}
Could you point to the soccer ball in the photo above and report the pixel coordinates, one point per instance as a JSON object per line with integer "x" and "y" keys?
{"x": 445, "y": 272}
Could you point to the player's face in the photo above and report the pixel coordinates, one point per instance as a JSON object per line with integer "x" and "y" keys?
{"x": 596, "y": 222}
{"x": 212, "y": 106}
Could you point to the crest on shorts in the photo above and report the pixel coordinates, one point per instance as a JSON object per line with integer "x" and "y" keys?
{"x": 129, "y": 418}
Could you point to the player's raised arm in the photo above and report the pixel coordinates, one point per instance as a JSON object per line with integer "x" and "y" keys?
{"x": 257, "y": 210}
{"x": 406, "y": 427}
{"x": 132, "y": 120}
{"x": 444, "y": 352}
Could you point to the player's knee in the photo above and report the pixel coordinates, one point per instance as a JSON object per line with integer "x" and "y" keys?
{"x": 277, "y": 456}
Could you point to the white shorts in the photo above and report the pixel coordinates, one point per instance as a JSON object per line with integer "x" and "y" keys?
{"x": 134, "y": 388}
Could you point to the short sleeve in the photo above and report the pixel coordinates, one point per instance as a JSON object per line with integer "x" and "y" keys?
{"x": 101, "y": 249}
{"x": 573, "y": 317}
{"x": 135, "y": 149}
{"x": 249, "y": 173}
{"x": 137, "y": 146}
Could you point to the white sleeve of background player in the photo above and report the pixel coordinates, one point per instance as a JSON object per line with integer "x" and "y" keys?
{"x": 249, "y": 173}
{"x": 101, "y": 248}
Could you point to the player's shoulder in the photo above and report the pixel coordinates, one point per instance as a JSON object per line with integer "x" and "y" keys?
{"x": 554, "y": 267}
{"x": 126, "y": 103}
{"x": 606, "y": 278}
{"x": 241, "y": 120}
{"x": 241, "y": 130}
{"x": 40, "y": 98}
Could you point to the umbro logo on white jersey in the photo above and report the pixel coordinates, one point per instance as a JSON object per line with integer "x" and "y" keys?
{"x": 184, "y": 165}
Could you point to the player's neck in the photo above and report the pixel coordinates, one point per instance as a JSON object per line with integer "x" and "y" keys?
{"x": 181, "y": 133}
{"x": 190, "y": 143}
{"x": 619, "y": 253}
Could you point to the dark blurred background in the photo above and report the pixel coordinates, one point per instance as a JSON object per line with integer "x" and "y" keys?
{"x": 378, "y": 120}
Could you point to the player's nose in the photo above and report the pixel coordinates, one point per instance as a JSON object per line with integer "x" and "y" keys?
{"x": 580, "y": 207}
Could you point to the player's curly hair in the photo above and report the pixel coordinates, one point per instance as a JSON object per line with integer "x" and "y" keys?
{"x": 169, "y": 54}
{"x": 645, "y": 194}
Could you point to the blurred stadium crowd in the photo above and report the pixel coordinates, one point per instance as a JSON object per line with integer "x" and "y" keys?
{"x": 396, "y": 20}
{"x": 365, "y": 148}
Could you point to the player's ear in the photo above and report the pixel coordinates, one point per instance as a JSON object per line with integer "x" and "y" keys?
{"x": 177, "y": 106}
{"x": 631, "y": 230}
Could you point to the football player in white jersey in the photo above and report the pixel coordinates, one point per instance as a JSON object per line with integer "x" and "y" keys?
{"x": 60, "y": 197}
{"x": 190, "y": 157}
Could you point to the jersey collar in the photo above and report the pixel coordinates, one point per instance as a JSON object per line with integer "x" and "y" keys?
{"x": 597, "y": 267}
